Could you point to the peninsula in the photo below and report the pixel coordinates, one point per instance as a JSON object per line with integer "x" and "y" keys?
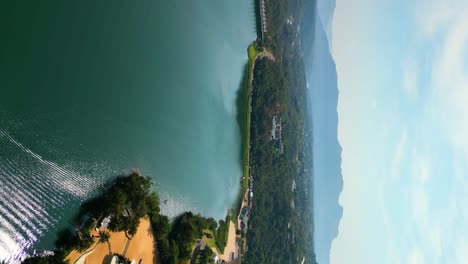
{"x": 124, "y": 225}
{"x": 279, "y": 135}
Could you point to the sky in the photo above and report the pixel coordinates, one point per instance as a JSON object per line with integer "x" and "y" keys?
{"x": 403, "y": 124}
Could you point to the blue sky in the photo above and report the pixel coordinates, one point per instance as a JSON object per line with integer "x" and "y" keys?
{"x": 403, "y": 125}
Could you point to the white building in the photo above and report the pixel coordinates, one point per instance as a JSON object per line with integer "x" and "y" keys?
{"x": 105, "y": 222}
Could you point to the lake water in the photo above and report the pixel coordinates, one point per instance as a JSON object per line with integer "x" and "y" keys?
{"x": 92, "y": 89}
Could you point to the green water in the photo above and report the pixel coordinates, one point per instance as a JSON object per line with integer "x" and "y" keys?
{"x": 91, "y": 89}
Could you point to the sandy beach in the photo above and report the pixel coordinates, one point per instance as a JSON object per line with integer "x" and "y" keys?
{"x": 117, "y": 241}
{"x": 141, "y": 246}
{"x": 231, "y": 244}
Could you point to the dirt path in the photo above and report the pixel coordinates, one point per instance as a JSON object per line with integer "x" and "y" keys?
{"x": 142, "y": 244}
{"x": 99, "y": 253}
{"x": 264, "y": 54}
{"x": 117, "y": 241}
{"x": 231, "y": 244}
{"x": 127, "y": 243}
{"x": 81, "y": 260}
{"x": 244, "y": 203}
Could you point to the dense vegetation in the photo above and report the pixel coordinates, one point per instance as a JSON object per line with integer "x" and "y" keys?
{"x": 177, "y": 243}
{"x": 222, "y": 234}
{"x": 127, "y": 200}
{"x": 280, "y": 227}
{"x": 205, "y": 257}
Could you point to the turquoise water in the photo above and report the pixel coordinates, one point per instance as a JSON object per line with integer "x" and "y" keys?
{"x": 92, "y": 89}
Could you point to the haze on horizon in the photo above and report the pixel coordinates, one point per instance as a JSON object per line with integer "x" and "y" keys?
{"x": 403, "y": 124}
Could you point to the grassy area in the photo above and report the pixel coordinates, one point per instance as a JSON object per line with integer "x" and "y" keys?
{"x": 252, "y": 53}
{"x": 210, "y": 242}
{"x": 222, "y": 234}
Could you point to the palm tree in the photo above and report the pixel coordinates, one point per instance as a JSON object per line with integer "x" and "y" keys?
{"x": 104, "y": 237}
{"x": 83, "y": 243}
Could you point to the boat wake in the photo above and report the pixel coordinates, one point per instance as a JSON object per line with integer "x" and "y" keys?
{"x": 32, "y": 192}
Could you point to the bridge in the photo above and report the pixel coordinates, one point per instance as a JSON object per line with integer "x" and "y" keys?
{"x": 263, "y": 24}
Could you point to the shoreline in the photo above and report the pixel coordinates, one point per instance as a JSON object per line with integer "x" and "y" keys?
{"x": 254, "y": 54}
{"x": 120, "y": 244}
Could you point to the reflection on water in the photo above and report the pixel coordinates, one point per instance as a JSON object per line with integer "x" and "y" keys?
{"x": 30, "y": 185}
{"x": 90, "y": 90}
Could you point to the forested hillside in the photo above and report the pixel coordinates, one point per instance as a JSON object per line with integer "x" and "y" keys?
{"x": 281, "y": 224}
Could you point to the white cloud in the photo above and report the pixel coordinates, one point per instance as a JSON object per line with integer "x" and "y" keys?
{"x": 435, "y": 16}
{"x": 460, "y": 171}
{"x": 420, "y": 207}
{"x": 374, "y": 103}
{"x": 421, "y": 225}
{"x": 416, "y": 257}
{"x": 435, "y": 240}
{"x": 422, "y": 168}
{"x": 411, "y": 77}
{"x": 449, "y": 110}
{"x": 400, "y": 149}
{"x": 399, "y": 152}
{"x": 450, "y": 83}
{"x": 436, "y": 20}
{"x": 461, "y": 251}
{"x": 424, "y": 172}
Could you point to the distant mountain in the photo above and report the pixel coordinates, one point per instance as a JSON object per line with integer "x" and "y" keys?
{"x": 323, "y": 88}
{"x": 326, "y": 9}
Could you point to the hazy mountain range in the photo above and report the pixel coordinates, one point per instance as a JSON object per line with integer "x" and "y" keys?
{"x": 326, "y": 9}
{"x": 322, "y": 79}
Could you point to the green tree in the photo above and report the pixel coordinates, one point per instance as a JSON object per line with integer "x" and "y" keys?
{"x": 206, "y": 256}
{"x": 164, "y": 250}
{"x": 162, "y": 227}
{"x": 132, "y": 230}
{"x": 83, "y": 242}
{"x": 104, "y": 237}
{"x": 211, "y": 224}
{"x": 118, "y": 201}
{"x": 173, "y": 253}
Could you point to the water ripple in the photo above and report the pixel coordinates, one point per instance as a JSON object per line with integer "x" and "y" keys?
{"x": 33, "y": 193}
